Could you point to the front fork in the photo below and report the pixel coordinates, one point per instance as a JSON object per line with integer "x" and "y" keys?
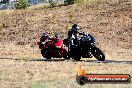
{"x": 69, "y": 46}
{"x": 90, "y": 50}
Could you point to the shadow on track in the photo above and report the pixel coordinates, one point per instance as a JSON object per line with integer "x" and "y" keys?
{"x": 9, "y": 59}
{"x": 92, "y": 61}
{"x": 57, "y": 60}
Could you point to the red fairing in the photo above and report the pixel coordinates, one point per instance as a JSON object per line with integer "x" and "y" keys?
{"x": 59, "y": 43}
{"x": 54, "y": 47}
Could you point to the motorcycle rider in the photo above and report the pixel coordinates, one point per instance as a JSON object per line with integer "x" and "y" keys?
{"x": 44, "y": 44}
{"x": 44, "y": 37}
{"x": 72, "y": 35}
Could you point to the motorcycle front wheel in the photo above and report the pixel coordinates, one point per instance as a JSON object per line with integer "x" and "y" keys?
{"x": 98, "y": 54}
{"x": 66, "y": 56}
{"x": 45, "y": 54}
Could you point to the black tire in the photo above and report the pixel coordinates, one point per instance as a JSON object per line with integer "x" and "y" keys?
{"x": 75, "y": 53}
{"x": 81, "y": 80}
{"x": 77, "y": 58}
{"x": 98, "y": 54}
{"x": 48, "y": 57}
{"x": 45, "y": 54}
{"x": 66, "y": 56}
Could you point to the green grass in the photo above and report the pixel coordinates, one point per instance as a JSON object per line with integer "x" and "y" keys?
{"x": 38, "y": 85}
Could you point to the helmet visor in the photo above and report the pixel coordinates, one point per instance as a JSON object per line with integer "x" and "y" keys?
{"x": 77, "y": 27}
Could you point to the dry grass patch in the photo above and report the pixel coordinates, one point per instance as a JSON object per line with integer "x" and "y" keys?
{"x": 55, "y": 74}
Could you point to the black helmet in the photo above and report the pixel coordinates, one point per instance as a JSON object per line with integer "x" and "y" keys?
{"x": 57, "y": 35}
{"x": 44, "y": 36}
{"x": 75, "y": 27}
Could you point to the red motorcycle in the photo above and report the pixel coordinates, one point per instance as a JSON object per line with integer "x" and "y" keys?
{"x": 52, "y": 47}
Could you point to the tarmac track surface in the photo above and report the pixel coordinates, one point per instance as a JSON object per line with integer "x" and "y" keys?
{"x": 57, "y": 60}
{"x": 92, "y": 61}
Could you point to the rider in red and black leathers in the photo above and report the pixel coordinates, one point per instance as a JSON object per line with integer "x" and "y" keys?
{"x": 43, "y": 39}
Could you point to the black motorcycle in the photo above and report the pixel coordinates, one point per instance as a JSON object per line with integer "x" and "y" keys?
{"x": 84, "y": 46}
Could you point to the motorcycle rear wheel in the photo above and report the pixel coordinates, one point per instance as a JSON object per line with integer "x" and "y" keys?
{"x": 77, "y": 58}
{"x": 66, "y": 56}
